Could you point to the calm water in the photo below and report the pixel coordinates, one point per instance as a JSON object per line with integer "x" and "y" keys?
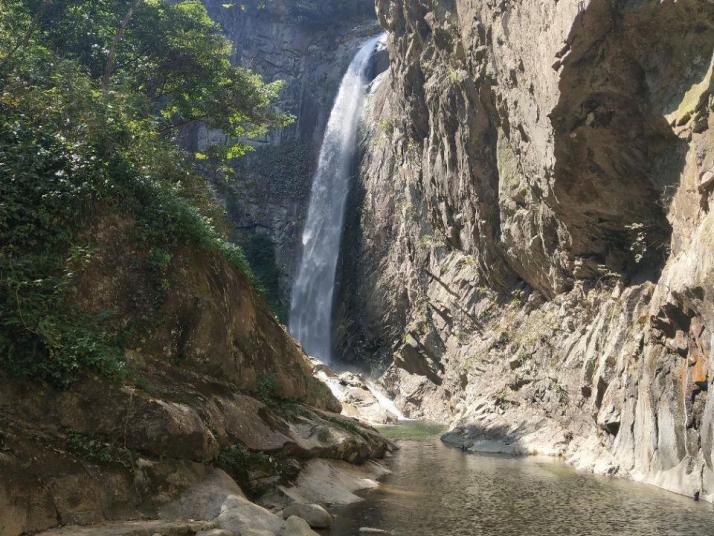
{"x": 440, "y": 491}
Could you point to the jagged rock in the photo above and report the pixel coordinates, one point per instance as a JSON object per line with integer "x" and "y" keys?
{"x": 351, "y": 379}
{"x": 360, "y": 398}
{"x": 360, "y": 403}
{"x": 706, "y": 181}
{"x": 500, "y": 195}
{"x": 316, "y": 516}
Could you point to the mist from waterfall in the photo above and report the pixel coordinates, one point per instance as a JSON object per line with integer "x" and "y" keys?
{"x": 312, "y": 293}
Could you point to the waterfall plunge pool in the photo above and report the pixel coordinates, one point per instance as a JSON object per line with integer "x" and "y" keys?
{"x": 435, "y": 490}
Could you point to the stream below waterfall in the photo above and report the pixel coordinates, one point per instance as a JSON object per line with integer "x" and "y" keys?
{"x": 435, "y": 490}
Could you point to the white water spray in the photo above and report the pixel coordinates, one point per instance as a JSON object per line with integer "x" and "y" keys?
{"x": 312, "y": 294}
{"x": 386, "y": 402}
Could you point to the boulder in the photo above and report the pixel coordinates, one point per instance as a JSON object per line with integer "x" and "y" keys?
{"x": 295, "y": 526}
{"x": 218, "y": 532}
{"x": 256, "y": 532}
{"x": 239, "y": 515}
{"x": 203, "y": 499}
{"x": 315, "y": 515}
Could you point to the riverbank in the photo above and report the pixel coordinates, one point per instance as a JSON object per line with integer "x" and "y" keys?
{"x": 175, "y": 448}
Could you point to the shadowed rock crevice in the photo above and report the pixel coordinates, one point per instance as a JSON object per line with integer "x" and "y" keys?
{"x": 617, "y": 156}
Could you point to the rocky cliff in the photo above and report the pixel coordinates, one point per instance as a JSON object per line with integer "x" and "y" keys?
{"x": 308, "y": 45}
{"x": 217, "y": 403}
{"x": 534, "y": 239}
{"x": 145, "y": 385}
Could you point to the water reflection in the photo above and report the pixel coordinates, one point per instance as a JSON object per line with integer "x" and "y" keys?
{"x": 436, "y": 490}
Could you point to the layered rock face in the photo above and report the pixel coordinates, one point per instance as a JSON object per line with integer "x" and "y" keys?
{"x": 308, "y": 45}
{"x": 534, "y": 238}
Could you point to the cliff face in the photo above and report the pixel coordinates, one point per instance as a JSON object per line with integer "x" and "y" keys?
{"x": 308, "y": 45}
{"x": 534, "y": 242}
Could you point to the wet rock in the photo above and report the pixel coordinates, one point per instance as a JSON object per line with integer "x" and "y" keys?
{"x": 360, "y": 398}
{"x": 329, "y": 482}
{"x": 351, "y": 379}
{"x": 360, "y": 403}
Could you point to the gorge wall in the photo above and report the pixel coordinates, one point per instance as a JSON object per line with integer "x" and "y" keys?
{"x": 531, "y": 241}
{"x": 212, "y": 420}
{"x": 308, "y": 45}
{"x": 217, "y": 403}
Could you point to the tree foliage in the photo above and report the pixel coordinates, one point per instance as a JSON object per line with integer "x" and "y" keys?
{"x": 92, "y": 95}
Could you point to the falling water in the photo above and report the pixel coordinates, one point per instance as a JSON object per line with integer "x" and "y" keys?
{"x": 311, "y": 305}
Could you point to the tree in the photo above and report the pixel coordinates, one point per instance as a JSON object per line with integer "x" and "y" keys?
{"x": 172, "y": 53}
{"x": 92, "y": 93}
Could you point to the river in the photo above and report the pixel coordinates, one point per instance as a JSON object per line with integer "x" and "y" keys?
{"x": 441, "y": 491}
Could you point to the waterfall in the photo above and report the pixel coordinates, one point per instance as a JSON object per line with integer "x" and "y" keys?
{"x": 311, "y": 301}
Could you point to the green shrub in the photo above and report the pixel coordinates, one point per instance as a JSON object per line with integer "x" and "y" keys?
{"x": 267, "y": 389}
{"x": 80, "y": 137}
{"x": 97, "y": 450}
{"x": 259, "y": 251}
{"x": 239, "y": 463}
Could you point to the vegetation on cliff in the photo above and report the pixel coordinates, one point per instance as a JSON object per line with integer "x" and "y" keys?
{"x": 92, "y": 95}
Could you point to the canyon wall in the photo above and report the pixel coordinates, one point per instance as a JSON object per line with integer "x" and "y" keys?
{"x": 532, "y": 241}
{"x": 308, "y": 45}
{"x": 216, "y": 402}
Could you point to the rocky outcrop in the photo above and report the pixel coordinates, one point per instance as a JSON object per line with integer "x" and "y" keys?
{"x": 308, "y": 45}
{"x": 316, "y": 516}
{"x": 533, "y": 245}
{"x": 217, "y": 401}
